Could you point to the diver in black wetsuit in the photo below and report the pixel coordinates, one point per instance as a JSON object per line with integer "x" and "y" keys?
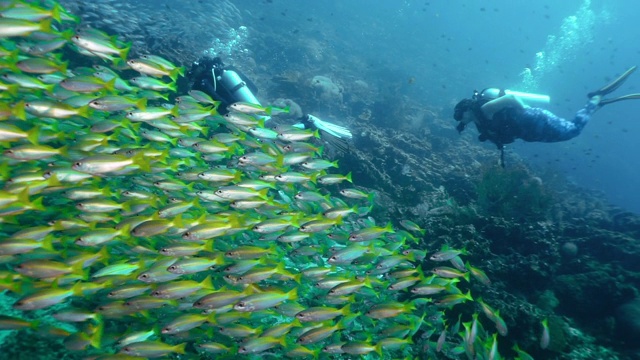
{"x": 501, "y": 118}
{"x": 227, "y": 84}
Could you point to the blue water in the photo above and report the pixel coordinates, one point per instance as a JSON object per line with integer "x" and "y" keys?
{"x": 452, "y": 48}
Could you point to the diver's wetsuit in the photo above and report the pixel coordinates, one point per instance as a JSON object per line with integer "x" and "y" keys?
{"x": 532, "y": 124}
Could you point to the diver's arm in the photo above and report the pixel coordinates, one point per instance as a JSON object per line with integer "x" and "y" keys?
{"x": 500, "y": 103}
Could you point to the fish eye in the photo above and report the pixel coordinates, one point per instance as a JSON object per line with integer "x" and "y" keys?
{"x": 240, "y": 305}
{"x": 77, "y": 164}
{"x": 144, "y": 276}
{"x": 172, "y": 267}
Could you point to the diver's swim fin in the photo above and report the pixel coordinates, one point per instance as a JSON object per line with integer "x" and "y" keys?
{"x": 614, "y": 84}
{"x": 604, "y": 102}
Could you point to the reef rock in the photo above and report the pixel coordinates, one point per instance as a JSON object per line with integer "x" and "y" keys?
{"x": 326, "y": 89}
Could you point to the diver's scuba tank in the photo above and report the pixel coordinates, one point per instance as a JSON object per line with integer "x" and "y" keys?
{"x": 237, "y": 88}
{"x": 530, "y": 99}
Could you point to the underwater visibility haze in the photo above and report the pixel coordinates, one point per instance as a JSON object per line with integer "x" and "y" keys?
{"x": 141, "y": 217}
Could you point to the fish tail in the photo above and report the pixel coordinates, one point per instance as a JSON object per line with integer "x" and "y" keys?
{"x": 45, "y": 26}
{"x": 142, "y": 162}
{"x": 371, "y": 198}
{"x": 13, "y": 90}
{"x": 47, "y": 243}
{"x": 180, "y": 348}
{"x": 55, "y": 12}
{"x": 85, "y": 111}
{"x": 142, "y": 104}
{"x": 206, "y": 283}
{"x": 67, "y": 34}
{"x": 124, "y": 52}
{"x": 173, "y": 74}
{"x": 18, "y": 110}
{"x": 33, "y": 135}
{"x": 293, "y": 294}
{"x": 314, "y": 177}
{"x": 96, "y": 338}
{"x": 110, "y": 85}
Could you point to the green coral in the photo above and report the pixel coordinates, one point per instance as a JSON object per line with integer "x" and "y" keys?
{"x": 512, "y": 193}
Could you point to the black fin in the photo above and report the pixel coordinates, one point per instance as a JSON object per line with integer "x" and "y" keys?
{"x": 614, "y": 84}
{"x": 620, "y": 98}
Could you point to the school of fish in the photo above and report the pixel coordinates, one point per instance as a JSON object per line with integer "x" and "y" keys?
{"x": 159, "y": 228}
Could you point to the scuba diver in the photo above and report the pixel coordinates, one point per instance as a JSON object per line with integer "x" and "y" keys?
{"x": 501, "y": 116}
{"x": 228, "y": 85}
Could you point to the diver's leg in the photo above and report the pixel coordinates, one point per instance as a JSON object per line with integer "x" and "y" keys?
{"x": 541, "y": 125}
